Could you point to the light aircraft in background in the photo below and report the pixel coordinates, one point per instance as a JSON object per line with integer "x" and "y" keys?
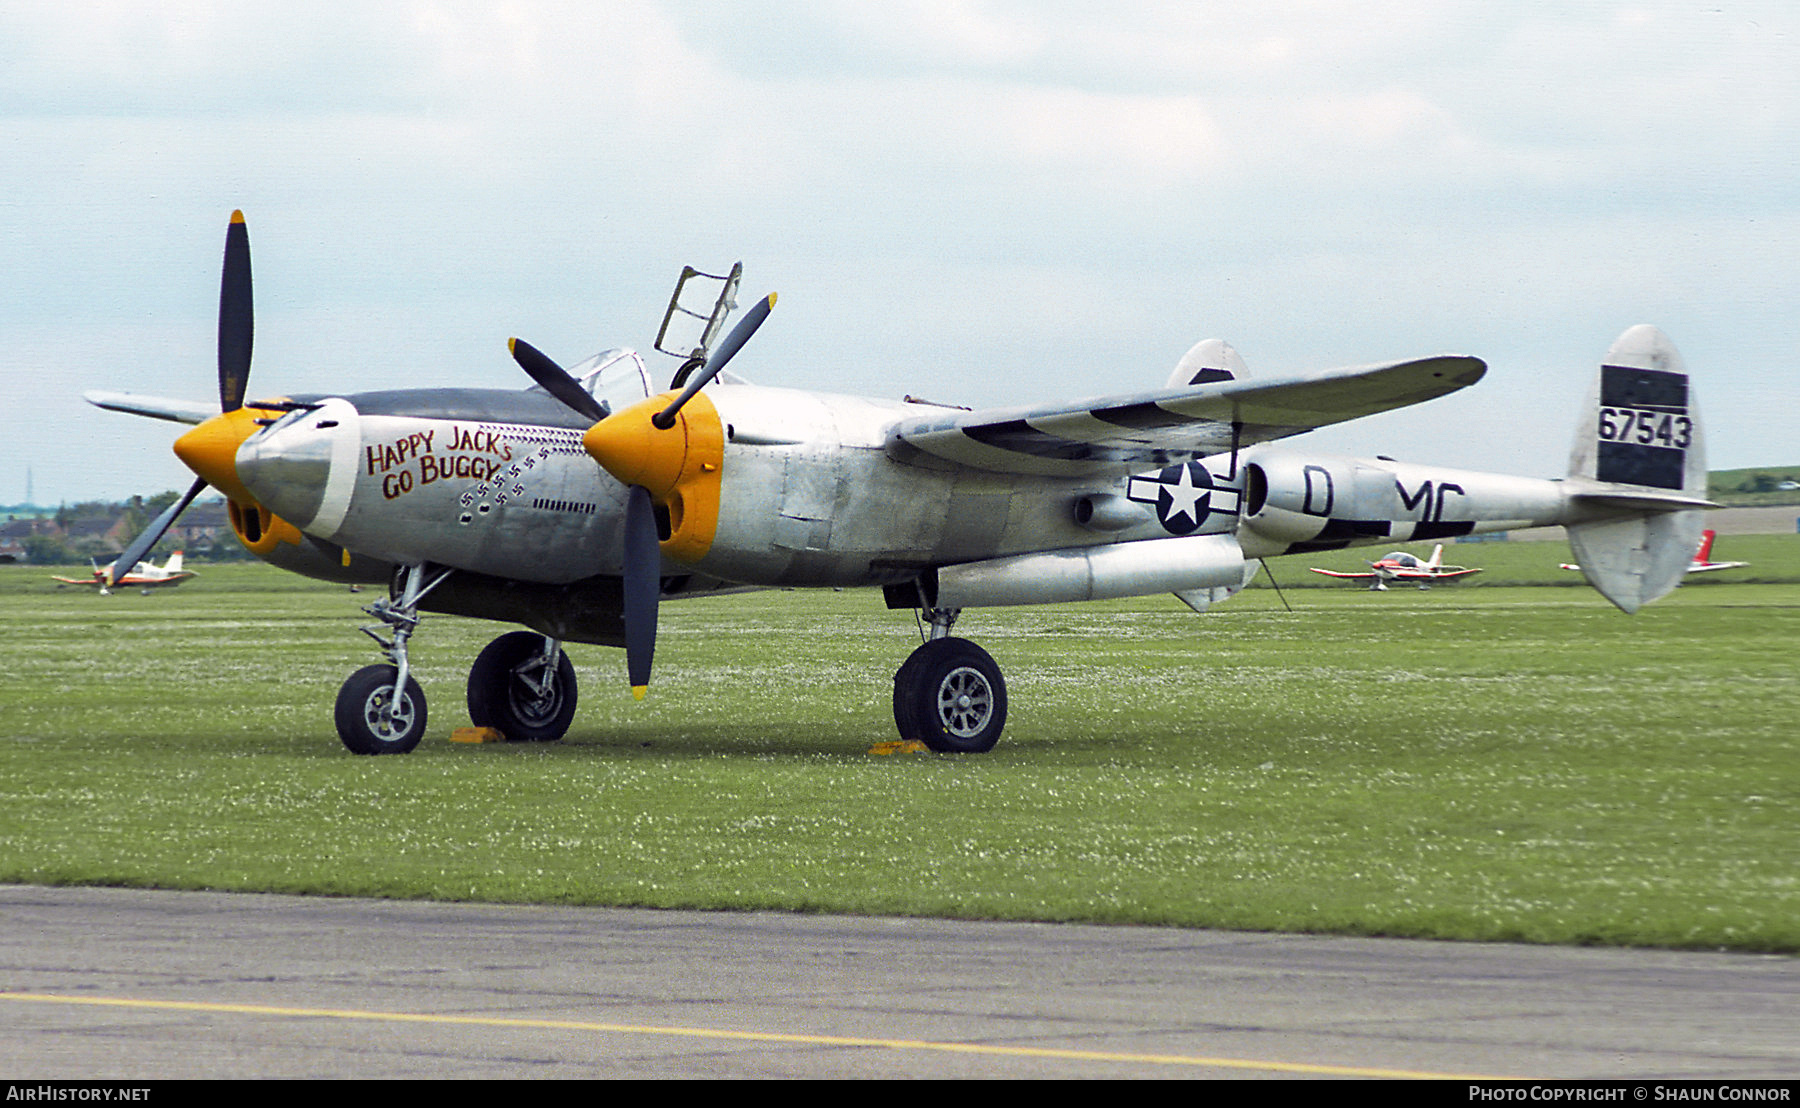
{"x": 142, "y": 575}
{"x": 576, "y": 507}
{"x": 1401, "y": 566}
{"x": 1702, "y": 562}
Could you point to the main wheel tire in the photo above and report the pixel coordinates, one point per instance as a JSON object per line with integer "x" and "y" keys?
{"x": 504, "y": 693}
{"x": 363, "y": 722}
{"x": 950, "y": 696}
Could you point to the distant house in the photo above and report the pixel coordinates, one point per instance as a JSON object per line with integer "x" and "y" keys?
{"x": 200, "y": 527}
{"x": 15, "y": 531}
{"x": 105, "y": 533}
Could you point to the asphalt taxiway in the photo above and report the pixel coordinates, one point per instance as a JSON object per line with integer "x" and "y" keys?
{"x": 138, "y": 984}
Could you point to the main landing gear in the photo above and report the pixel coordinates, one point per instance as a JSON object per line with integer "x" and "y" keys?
{"x": 949, "y": 694}
{"x": 522, "y": 685}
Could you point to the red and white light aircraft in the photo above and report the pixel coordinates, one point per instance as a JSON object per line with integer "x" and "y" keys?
{"x": 144, "y": 575}
{"x": 1401, "y": 566}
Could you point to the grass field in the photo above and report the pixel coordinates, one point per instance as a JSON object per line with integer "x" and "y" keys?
{"x": 1488, "y": 762}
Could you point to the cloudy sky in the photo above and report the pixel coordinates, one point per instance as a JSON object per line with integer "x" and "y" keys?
{"x": 978, "y": 202}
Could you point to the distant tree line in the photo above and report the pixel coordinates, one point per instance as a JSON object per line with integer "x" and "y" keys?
{"x": 1767, "y": 482}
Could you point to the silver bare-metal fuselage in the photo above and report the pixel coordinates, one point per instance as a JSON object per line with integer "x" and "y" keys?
{"x": 487, "y": 481}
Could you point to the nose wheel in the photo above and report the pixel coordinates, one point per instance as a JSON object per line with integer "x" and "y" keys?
{"x": 950, "y": 696}
{"x": 373, "y": 719}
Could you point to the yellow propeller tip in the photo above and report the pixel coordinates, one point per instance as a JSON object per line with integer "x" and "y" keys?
{"x": 512, "y": 346}
{"x": 638, "y": 692}
{"x": 236, "y": 217}
{"x": 771, "y": 300}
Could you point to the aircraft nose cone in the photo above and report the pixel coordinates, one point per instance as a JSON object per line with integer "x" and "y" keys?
{"x": 211, "y": 448}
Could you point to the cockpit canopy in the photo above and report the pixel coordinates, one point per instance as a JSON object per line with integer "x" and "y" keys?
{"x": 616, "y": 378}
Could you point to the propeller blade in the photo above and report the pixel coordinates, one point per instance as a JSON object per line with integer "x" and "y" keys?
{"x": 555, "y": 379}
{"x": 236, "y": 316}
{"x": 140, "y": 546}
{"x": 643, "y": 582}
{"x": 725, "y": 351}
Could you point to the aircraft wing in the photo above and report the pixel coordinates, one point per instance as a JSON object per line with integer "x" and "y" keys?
{"x": 1130, "y": 433}
{"x": 151, "y": 582}
{"x": 1347, "y": 576}
{"x": 156, "y": 407}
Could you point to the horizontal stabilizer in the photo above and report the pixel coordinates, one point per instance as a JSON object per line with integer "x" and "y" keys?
{"x": 1636, "y": 500}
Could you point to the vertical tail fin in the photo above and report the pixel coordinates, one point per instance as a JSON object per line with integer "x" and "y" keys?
{"x": 1208, "y": 362}
{"x": 174, "y": 563}
{"x": 1639, "y": 469}
{"x": 1705, "y": 553}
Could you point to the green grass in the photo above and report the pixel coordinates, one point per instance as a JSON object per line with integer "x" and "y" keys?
{"x": 1477, "y": 763}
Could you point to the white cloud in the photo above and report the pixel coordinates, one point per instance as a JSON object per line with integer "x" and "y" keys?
{"x": 1062, "y": 194}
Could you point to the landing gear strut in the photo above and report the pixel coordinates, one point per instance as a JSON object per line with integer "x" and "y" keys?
{"x": 949, "y": 695}
{"x": 381, "y": 709}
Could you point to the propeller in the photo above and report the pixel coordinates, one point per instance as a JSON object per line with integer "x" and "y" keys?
{"x": 134, "y": 552}
{"x": 642, "y": 573}
{"x": 236, "y": 325}
{"x": 715, "y": 361}
{"x": 236, "y": 316}
{"x": 643, "y": 587}
{"x": 555, "y": 380}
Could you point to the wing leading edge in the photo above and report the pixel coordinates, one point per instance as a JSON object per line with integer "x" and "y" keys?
{"x": 1126, "y": 434}
{"x": 156, "y": 407}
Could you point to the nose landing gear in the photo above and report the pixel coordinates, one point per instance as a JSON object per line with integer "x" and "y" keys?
{"x": 381, "y": 709}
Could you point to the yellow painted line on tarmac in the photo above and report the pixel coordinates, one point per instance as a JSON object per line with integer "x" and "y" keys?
{"x": 742, "y": 1036}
